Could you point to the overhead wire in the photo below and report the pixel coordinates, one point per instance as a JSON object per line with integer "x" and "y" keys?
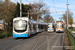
{"x": 16, "y": 1}
{"x": 54, "y": 5}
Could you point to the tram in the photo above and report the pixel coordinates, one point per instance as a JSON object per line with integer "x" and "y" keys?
{"x": 59, "y": 26}
{"x": 51, "y": 27}
{"x": 23, "y": 27}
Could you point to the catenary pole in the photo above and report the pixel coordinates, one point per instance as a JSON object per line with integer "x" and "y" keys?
{"x": 67, "y": 14}
{"x": 20, "y": 9}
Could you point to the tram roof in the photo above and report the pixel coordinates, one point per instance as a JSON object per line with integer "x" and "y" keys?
{"x": 32, "y": 21}
{"x": 52, "y": 23}
{"x": 20, "y": 17}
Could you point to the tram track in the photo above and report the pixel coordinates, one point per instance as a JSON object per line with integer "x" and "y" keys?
{"x": 26, "y": 43}
{"x": 58, "y": 45}
{"x": 36, "y": 44}
{"x": 20, "y": 42}
{"x": 55, "y": 42}
{"x": 41, "y": 41}
{"x": 9, "y": 44}
{"x": 6, "y": 40}
{"x": 45, "y": 42}
{"x": 38, "y": 39}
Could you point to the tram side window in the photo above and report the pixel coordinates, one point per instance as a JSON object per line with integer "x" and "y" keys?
{"x": 29, "y": 26}
{"x": 56, "y": 25}
{"x": 39, "y": 26}
{"x": 52, "y": 26}
{"x": 48, "y": 25}
{"x": 62, "y": 26}
{"x": 44, "y": 26}
{"x": 34, "y": 26}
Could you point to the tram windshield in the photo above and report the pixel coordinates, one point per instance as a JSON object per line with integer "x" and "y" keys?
{"x": 20, "y": 25}
{"x": 50, "y": 25}
{"x": 59, "y": 25}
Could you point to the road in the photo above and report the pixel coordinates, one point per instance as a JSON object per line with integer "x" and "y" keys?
{"x": 40, "y": 41}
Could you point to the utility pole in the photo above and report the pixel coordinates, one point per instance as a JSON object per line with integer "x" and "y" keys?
{"x": 37, "y": 21}
{"x": 67, "y": 14}
{"x": 37, "y": 17}
{"x": 20, "y": 9}
{"x": 28, "y": 14}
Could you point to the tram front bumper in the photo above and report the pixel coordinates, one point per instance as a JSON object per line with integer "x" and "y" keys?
{"x": 50, "y": 30}
{"x": 19, "y": 35}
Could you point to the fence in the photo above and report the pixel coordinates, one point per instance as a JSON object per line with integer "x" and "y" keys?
{"x": 71, "y": 38}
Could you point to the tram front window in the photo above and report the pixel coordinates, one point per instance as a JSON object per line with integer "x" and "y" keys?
{"x": 59, "y": 25}
{"x": 20, "y": 25}
{"x": 50, "y": 25}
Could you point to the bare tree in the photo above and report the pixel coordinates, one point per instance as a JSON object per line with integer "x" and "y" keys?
{"x": 7, "y": 11}
{"x": 48, "y": 19}
{"x": 37, "y": 10}
{"x": 70, "y": 18}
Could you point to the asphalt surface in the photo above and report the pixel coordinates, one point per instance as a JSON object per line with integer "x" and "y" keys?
{"x": 39, "y": 41}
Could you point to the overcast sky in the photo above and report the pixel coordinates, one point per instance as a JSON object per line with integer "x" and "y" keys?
{"x": 55, "y": 5}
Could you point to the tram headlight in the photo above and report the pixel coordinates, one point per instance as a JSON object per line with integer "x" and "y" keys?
{"x": 61, "y": 29}
{"x": 56, "y": 29}
{"x": 13, "y": 32}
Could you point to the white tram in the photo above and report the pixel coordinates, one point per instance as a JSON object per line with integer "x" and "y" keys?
{"x": 51, "y": 27}
{"x": 23, "y": 27}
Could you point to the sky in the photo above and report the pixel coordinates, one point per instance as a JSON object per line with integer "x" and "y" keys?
{"x": 58, "y": 6}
